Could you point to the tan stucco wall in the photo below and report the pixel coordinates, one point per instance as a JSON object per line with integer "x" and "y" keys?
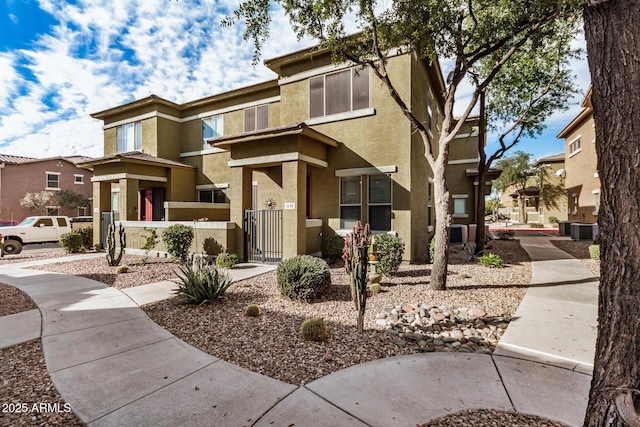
{"x": 581, "y": 168}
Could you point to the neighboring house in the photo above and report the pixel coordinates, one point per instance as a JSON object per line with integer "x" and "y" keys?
{"x": 544, "y": 198}
{"x": 22, "y": 175}
{"x": 278, "y": 166}
{"x": 581, "y": 164}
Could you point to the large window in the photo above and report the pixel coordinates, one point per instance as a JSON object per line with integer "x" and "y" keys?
{"x": 53, "y": 180}
{"x": 339, "y": 92}
{"x": 213, "y": 196}
{"x": 380, "y": 202}
{"x": 212, "y": 127}
{"x": 350, "y": 201}
{"x": 129, "y": 137}
{"x": 460, "y": 205}
{"x": 256, "y": 118}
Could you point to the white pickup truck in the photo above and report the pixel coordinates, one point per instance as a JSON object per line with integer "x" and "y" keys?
{"x": 34, "y": 229}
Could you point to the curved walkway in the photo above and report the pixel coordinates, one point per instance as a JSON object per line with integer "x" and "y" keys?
{"x": 117, "y": 367}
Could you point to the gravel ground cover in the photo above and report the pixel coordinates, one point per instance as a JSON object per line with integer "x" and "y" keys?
{"x": 271, "y": 344}
{"x": 27, "y": 256}
{"x": 139, "y": 272}
{"x": 580, "y": 250}
{"x": 14, "y": 301}
{"x": 27, "y": 395}
{"x": 491, "y": 418}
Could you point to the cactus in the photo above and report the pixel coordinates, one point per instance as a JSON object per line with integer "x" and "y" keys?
{"x": 314, "y": 329}
{"x": 375, "y": 288}
{"x": 112, "y": 260}
{"x": 252, "y": 310}
{"x": 356, "y": 259}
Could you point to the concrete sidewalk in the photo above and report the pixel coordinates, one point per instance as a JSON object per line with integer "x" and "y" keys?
{"x": 117, "y": 367}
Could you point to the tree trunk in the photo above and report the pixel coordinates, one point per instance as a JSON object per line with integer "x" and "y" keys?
{"x": 443, "y": 222}
{"x": 483, "y": 170}
{"x": 522, "y": 204}
{"x": 613, "y": 43}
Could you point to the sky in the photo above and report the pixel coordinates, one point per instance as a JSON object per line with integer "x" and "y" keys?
{"x": 60, "y": 61}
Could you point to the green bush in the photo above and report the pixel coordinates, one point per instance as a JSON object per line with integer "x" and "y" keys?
{"x": 491, "y": 260}
{"x": 594, "y": 252}
{"x": 200, "y": 284}
{"x": 314, "y": 329}
{"x": 71, "y": 242}
{"x": 332, "y": 247}
{"x": 86, "y": 233}
{"x": 303, "y": 278}
{"x": 536, "y": 225}
{"x": 226, "y": 260}
{"x": 390, "y": 252}
{"x": 177, "y": 239}
{"x": 432, "y": 249}
{"x": 553, "y": 220}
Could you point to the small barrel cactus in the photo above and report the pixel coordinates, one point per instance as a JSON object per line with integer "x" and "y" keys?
{"x": 122, "y": 269}
{"x": 314, "y": 329}
{"x": 252, "y": 310}
{"x": 375, "y": 288}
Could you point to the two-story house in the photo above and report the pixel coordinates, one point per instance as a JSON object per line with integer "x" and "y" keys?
{"x": 277, "y": 166}
{"x": 581, "y": 165}
{"x": 21, "y": 175}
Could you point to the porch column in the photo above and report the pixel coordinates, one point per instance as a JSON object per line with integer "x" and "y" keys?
{"x": 294, "y": 189}
{"x": 239, "y": 201}
{"x": 128, "y": 199}
{"x": 101, "y": 203}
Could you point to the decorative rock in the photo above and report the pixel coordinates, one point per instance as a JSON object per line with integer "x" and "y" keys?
{"x": 456, "y": 334}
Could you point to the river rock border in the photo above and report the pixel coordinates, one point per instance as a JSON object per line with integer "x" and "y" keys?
{"x": 443, "y": 328}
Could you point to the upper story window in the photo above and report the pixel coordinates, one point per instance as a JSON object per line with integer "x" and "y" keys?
{"x": 256, "y": 118}
{"x": 129, "y": 137}
{"x": 574, "y": 146}
{"x": 78, "y": 179}
{"x": 53, "y": 180}
{"x": 339, "y": 92}
{"x": 212, "y": 127}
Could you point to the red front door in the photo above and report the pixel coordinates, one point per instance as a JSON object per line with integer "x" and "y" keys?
{"x": 147, "y": 214}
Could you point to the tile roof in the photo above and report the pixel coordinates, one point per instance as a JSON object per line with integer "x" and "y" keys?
{"x": 7, "y": 158}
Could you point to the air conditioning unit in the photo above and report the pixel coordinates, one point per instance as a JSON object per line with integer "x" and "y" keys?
{"x": 584, "y": 231}
{"x": 458, "y": 234}
{"x": 564, "y": 228}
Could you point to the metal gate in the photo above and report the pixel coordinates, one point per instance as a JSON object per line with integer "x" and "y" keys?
{"x": 263, "y": 229}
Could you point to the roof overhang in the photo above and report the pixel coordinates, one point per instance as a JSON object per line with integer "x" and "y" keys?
{"x": 295, "y": 129}
{"x": 133, "y": 158}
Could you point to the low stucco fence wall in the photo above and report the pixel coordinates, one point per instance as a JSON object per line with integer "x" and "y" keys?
{"x": 210, "y": 237}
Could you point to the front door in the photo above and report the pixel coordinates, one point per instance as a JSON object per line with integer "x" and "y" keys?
{"x": 147, "y": 205}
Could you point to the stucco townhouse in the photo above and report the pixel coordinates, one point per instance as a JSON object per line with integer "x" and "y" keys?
{"x": 277, "y": 167}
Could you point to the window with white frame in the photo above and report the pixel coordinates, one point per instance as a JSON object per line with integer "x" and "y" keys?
{"x": 53, "y": 180}
{"x": 350, "y": 201}
{"x": 339, "y": 92}
{"x": 82, "y": 211}
{"x": 129, "y": 137}
{"x": 256, "y": 118}
{"x": 460, "y": 205}
{"x": 380, "y": 202}
{"x": 429, "y": 111}
{"x": 78, "y": 179}
{"x": 213, "y": 196}
{"x": 52, "y": 211}
{"x": 596, "y": 202}
{"x": 212, "y": 127}
{"x": 574, "y": 198}
{"x": 574, "y": 146}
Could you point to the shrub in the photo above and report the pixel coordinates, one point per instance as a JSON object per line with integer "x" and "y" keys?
{"x": 252, "y": 310}
{"x": 303, "y": 278}
{"x": 226, "y": 260}
{"x": 314, "y": 329}
{"x": 86, "y": 233}
{"x": 464, "y": 276}
{"x": 375, "y": 288}
{"x": 432, "y": 249}
{"x": 594, "y": 252}
{"x": 390, "y": 252}
{"x": 332, "y": 247}
{"x": 505, "y": 234}
{"x": 553, "y": 220}
{"x": 71, "y": 242}
{"x": 177, "y": 238}
{"x": 200, "y": 284}
{"x": 491, "y": 260}
{"x": 536, "y": 225}
{"x": 122, "y": 269}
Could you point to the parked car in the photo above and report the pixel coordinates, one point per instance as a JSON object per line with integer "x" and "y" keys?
{"x": 34, "y": 229}
{"x": 8, "y": 223}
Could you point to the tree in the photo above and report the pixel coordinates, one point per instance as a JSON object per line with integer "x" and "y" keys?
{"x": 479, "y": 36}
{"x": 70, "y": 200}
{"x": 37, "y": 202}
{"x": 533, "y": 85}
{"x": 517, "y": 171}
{"x": 613, "y": 32}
